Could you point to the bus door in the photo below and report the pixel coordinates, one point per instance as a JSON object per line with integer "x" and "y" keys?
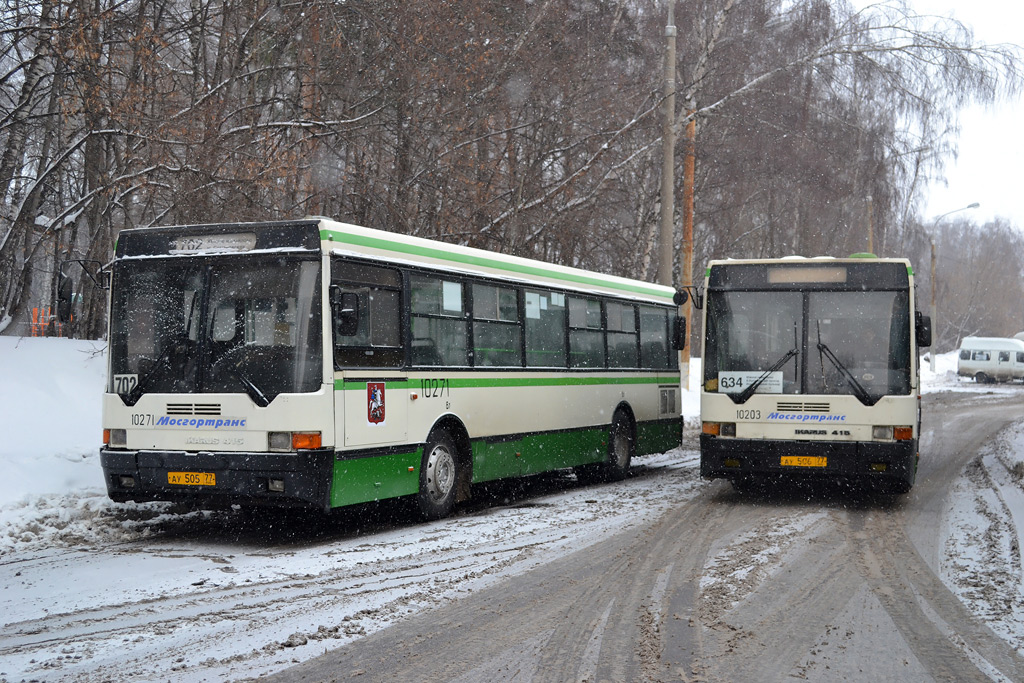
{"x": 371, "y": 395}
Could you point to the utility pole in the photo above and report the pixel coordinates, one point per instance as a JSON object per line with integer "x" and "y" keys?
{"x": 668, "y": 147}
{"x": 931, "y": 352}
{"x": 686, "y": 276}
{"x": 668, "y": 150}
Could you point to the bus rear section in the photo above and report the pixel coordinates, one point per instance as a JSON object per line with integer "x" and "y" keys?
{"x": 810, "y": 372}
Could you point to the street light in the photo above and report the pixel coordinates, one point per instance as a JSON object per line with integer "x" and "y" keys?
{"x": 935, "y": 224}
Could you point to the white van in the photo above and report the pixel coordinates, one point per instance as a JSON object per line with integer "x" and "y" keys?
{"x": 991, "y": 359}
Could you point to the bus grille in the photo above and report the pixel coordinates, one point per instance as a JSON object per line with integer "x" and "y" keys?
{"x": 800, "y": 407}
{"x": 193, "y": 409}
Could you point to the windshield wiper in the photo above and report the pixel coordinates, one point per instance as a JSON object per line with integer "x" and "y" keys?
{"x": 164, "y": 361}
{"x": 257, "y": 396}
{"x": 745, "y": 395}
{"x": 234, "y": 366}
{"x": 858, "y": 390}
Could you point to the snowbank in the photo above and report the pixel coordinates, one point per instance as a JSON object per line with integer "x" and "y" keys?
{"x": 49, "y": 399}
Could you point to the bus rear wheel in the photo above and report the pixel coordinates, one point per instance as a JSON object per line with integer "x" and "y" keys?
{"x": 438, "y": 476}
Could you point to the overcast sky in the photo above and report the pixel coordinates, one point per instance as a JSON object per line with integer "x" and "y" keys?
{"x": 990, "y": 166}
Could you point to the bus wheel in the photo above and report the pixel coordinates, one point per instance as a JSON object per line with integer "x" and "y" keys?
{"x": 981, "y": 378}
{"x": 620, "y": 448}
{"x": 438, "y": 476}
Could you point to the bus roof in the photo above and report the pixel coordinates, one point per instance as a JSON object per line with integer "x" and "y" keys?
{"x": 796, "y": 260}
{"x": 353, "y": 239}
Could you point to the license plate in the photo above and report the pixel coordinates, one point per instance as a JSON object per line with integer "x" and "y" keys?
{"x": 192, "y": 478}
{"x": 804, "y": 461}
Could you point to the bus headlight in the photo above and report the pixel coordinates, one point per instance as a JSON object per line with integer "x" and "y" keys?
{"x": 881, "y": 433}
{"x": 280, "y": 441}
{"x": 115, "y": 438}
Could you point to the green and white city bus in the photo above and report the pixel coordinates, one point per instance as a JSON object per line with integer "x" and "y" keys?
{"x": 811, "y": 370}
{"x": 314, "y": 363}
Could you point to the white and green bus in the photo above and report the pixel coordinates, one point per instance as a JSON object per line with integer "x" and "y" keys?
{"x": 811, "y": 371}
{"x": 315, "y": 363}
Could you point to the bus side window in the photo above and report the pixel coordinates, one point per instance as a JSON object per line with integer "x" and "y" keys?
{"x": 545, "y": 329}
{"x": 622, "y": 335}
{"x": 376, "y": 338}
{"x": 497, "y": 332}
{"x": 439, "y": 323}
{"x": 586, "y": 339}
{"x": 654, "y": 337}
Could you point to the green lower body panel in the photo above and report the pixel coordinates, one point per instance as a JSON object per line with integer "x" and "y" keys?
{"x": 524, "y": 454}
{"x": 658, "y": 436}
{"x": 365, "y": 479}
{"x": 377, "y": 477}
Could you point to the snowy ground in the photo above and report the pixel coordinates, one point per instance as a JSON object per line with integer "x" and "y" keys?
{"x": 146, "y": 592}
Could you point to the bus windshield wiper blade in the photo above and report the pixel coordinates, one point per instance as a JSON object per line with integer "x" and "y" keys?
{"x": 858, "y": 390}
{"x": 745, "y": 395}
{"x": 163, "y": 361}
{"x": 257, "y": 396}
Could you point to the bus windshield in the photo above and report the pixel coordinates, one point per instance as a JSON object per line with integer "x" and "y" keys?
{"x": 808, "y": 342}
{"x": 216, "y": 325}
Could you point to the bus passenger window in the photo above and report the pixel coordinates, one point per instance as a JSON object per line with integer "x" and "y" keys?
{"x": 497, "y": 335}
{"x": 622, "y": 336}
{"x": 586, "y": 340}
{"x": 545, "y": 329}
{"x": 439, "y": 326}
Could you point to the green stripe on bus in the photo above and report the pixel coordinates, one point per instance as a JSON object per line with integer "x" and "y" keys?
{"x": 470, "y": 259}
{"x": 483, "y": 382}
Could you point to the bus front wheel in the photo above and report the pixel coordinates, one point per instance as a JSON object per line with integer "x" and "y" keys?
{"x": 438, "y": 476}
{"x": 621, "y": 441}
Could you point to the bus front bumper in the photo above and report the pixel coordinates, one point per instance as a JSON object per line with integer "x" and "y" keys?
{"x": 301, "y": 479}
{"x": 743, "y": 459}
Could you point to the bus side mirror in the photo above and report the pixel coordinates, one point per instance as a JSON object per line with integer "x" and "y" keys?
{"x": 923, "y": 329}
{"x": 345, "y": 308}
{"x": 65, "y": 294}
{"x": 679, "y": 333}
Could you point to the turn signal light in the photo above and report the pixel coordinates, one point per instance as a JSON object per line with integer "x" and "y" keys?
{"x": 903, "y": 433}
{"x": 305, "y": 440}
{"x": 718, "y": 428}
